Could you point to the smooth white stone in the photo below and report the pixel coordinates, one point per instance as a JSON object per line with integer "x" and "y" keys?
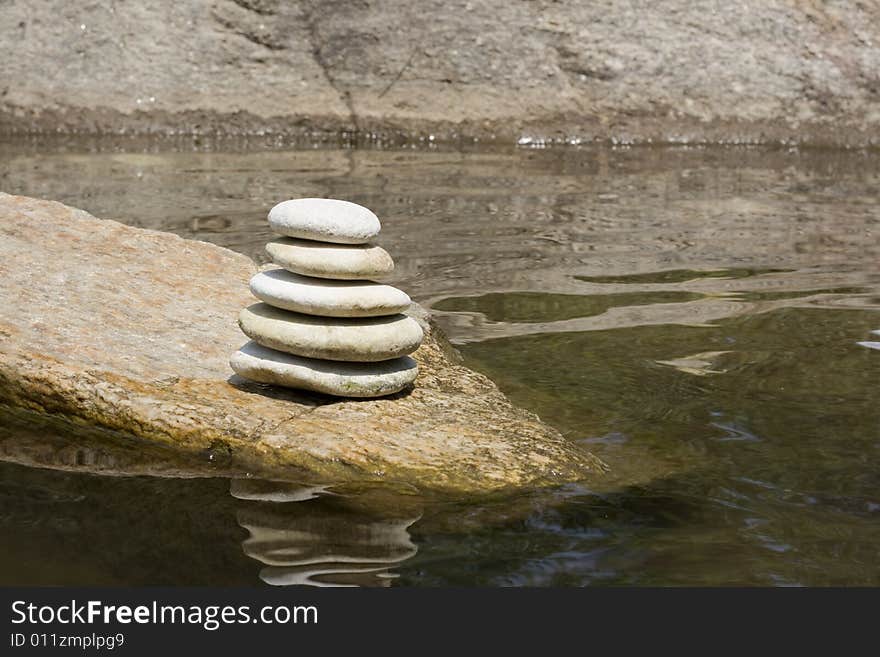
{"x": 320, "y": 296}
{"x": 263, "y": 365}
{"x": 366, "y": 339}
{"x": 324, "y": 220}
{"x": 338, "y": 261}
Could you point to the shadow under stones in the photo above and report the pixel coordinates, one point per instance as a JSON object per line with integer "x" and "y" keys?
{"x": 305, "y": 397}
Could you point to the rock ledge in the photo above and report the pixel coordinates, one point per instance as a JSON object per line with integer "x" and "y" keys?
{"x": 131, "y": 329}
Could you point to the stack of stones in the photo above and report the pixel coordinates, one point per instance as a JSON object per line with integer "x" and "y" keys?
{"x": 323, "y": 325}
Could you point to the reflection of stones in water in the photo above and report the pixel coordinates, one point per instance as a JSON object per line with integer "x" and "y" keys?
{"x": 318, "y": 540}
{"x": 274, "y": 491}
{"x": 870, "y": 344}
{"x": 702, "y": 364}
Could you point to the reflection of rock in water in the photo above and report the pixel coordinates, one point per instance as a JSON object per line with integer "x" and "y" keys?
{"x": 48, "y": 441}
{"x": 319, "y": 540}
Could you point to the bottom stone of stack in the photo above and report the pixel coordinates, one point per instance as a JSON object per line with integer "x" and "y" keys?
{"x": 376, "y": 379}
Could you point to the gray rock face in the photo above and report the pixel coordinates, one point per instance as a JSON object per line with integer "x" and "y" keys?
{"x": 324, "y": 220}
{"x": 328, "y": 298}
{"x": 329, "y": 338}
{"x": 681, "y": 70}
{"x": 336, "y": 261}
{"x": 146, "y": 352}
{"x": 361, "y": 380}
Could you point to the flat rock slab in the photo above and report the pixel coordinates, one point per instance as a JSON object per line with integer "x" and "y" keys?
{"x": 132, "y": 330}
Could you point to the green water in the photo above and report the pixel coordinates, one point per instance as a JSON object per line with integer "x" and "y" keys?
{"x": 677, "y": 276}
{"x": 691, "y": 316}
{"x": 538, "y": 307}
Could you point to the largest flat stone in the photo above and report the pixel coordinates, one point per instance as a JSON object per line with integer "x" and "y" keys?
{"x": 362, "y": 339}
{"x": 95, "y": 331}
{"x": 258, "y": 363}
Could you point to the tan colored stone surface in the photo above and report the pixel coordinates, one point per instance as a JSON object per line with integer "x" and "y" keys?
{"x": 132, "y": 330}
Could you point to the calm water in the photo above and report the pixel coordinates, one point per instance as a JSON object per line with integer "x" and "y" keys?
{"x": 692, "y": 316}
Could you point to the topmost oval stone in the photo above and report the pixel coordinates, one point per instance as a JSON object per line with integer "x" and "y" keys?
{"x": 324, "y": 220}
